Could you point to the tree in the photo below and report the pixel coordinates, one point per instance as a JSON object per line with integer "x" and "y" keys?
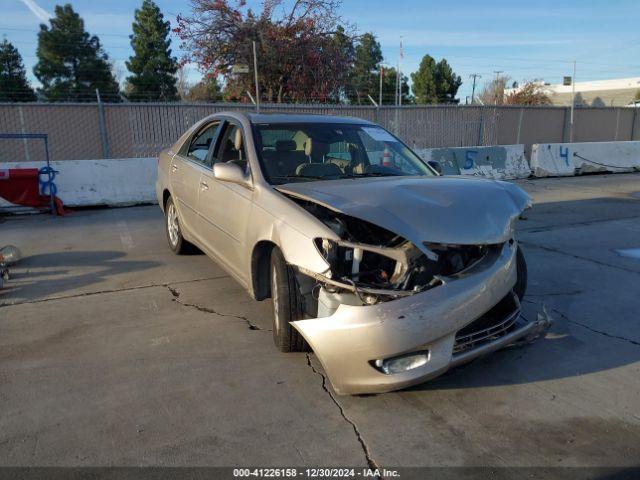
{"x": 637, "y": 96}
{"x": 531, "y": 93}
{"x": 424, "y": 81}
{"x": 435, "y": 82}
{"x": 366, "y": 69}
{"x": 389, "y": 88}
{"x": 153, "y": 67}
{"x": 300, "y": 49}
{"x": 71, "y": 63}
{"x": 206, "y": 90}
{"x": 493, "y": 91}
{"x": 447, "y": 83}
{"x": 13, "y": 77}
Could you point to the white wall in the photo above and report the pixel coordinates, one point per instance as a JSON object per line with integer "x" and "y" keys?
{"x": 113, "y": 182}
{"x": 498, "y": 162}
{"x": 567, "y": 159}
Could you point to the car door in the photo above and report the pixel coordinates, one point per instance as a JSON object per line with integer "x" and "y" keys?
{"x": 186, "y": 167}
{"x": 225, "y": 207}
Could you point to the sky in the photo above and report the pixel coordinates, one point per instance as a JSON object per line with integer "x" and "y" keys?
{"x": 525, "y": 40}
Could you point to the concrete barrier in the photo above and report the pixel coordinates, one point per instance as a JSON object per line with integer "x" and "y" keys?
{"x": 112, "y": 182}
{"x": 499, "y": 162}
{"x": 567, "y": 159}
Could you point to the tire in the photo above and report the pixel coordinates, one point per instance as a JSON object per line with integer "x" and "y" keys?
{"x": 521, "y": 283}
{"x": 287, "y": 305}
{"x": 177, "y": 243}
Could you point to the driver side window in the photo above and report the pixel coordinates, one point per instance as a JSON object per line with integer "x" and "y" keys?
{"x": 231, "y": 147}
{"x": 200, "y": 145}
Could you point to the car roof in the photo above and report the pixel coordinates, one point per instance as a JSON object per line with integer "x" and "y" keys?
{"x": 304, "y": 118}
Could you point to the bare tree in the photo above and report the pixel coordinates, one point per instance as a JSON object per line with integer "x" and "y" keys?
{"x": 492, "y": 92}
{"x": 182, "y": 84}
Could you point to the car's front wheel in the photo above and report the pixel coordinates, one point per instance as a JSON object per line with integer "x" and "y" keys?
{"x": 177, "y": 243}
{"x": 520, "y": 287}
{"x": 288, "y": 305}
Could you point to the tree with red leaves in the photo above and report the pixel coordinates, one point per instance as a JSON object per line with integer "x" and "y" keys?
{"x": 304, "y": 55}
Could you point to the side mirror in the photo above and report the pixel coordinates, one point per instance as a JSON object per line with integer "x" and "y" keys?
{"x": 231, "y": 172}
{"x": 436, "y": 166}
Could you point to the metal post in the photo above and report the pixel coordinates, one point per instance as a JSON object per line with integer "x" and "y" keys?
{"x": 103, "y": 127}
{"x": 25, "y": 142}
{"x": 473, "y": 89}
{"x": 255, "y": 73}
{"x": 52, "y": 203}
{"x": 573, "y": 101}
{"x": 633, "y": 122}
{"x": 617, "y": 125}
{"x": 380, "y": 93}
{"x": 481, "y": 128}
{"x": 520, "y": 125}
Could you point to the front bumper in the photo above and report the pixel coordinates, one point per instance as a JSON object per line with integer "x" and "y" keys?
{"x": 349, "y": 340}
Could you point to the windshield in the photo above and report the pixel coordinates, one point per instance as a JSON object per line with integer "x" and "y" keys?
{"x": 323, "y": 151}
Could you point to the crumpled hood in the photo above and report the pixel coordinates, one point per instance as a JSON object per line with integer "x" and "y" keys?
{"x": 452, "y": 210}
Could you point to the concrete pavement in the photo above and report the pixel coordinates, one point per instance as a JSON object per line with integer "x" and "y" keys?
{"x": 113, "y": 351}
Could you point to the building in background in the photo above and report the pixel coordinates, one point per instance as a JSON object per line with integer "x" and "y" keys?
{"x": 617, "y": 92}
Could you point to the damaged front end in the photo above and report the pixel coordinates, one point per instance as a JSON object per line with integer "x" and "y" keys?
{"x": 396, "y": 309}
{"x": 370, "y": 264}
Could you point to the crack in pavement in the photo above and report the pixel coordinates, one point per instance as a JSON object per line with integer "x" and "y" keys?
{"x": 556, "y": 294}
{"x": 112, "y": 290}
{"x": 587, "y": 259}
{"x": 587, "y": 327}
{"x": 371, "y": 463}
{"x": 633, "y": 342}
{"x": 176, "y": 298}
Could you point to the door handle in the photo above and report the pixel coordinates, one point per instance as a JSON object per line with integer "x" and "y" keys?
{"x": 174, "y": 167}
{"x": 204, "y": 186}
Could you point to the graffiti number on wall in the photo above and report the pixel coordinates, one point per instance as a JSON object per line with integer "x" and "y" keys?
{"x": 564, "y": 153}
{"x": 469, "y": 158}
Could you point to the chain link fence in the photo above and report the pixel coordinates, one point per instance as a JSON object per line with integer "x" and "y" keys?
{"x": 82, "y": 131}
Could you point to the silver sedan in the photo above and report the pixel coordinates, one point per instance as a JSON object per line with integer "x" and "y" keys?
{"x": 391, "y": 273}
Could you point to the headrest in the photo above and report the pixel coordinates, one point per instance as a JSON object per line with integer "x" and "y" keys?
{"x": 308, "y": 146}
{"x": 285, "y": 145}
{"x": 237, "y": 141}
{"x": 318, "y": 170}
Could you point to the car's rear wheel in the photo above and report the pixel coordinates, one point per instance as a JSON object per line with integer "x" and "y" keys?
{"x": 521, "y": 283}
{"x": 177, "y": 243}
{"x": 288, "y": 305}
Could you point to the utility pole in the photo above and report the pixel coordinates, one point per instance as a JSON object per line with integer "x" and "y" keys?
{"x": 495, "y": 90}
{"x": 573, "y": 101}
{"x": 255, "y": 71}
{"x": 473, "y": 90}
{"x": 400, "y": 73}
{"x": 380, "y": 93}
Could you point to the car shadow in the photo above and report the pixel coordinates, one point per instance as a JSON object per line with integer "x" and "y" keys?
{"x": 52, "y": 274}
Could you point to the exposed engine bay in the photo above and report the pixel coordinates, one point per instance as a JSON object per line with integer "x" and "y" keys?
{"x": 370, "y": 264}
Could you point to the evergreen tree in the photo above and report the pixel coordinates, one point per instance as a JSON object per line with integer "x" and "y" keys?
{"x": 71, "y": 63}
{"x": 435, "y": 82}
{"x": 13, "y": 78}
{"x": 153, "y": 67}
{"x": 424, "y": 81}
{"x": 365, "y": 75}
{"x": 447, "y": 83}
